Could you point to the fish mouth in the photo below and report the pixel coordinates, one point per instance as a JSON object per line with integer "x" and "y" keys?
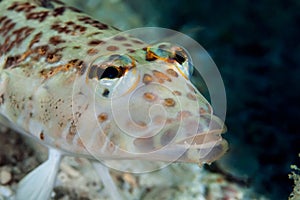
{"x": 200, "y": 148}
{"x": 205, "y": 144}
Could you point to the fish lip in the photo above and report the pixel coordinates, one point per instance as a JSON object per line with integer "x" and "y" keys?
{"x": 200, "y": 138}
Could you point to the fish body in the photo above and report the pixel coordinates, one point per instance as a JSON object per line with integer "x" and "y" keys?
{"x": 85, "y": 88}
{"x": 54, "y": 61}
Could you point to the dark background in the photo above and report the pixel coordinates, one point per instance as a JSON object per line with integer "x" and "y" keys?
{"x": 255, "y": 45}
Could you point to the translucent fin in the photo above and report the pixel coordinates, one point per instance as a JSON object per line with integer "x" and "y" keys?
{"x": 39, "y": 183}
{"x": 108, "y": 182}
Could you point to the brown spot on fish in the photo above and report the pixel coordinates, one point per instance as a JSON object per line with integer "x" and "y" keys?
{"x": 7, "y": 25}
{"x": 53, "y": 57}
{"x": 3, "y": 18}
{"x": 112, "y": 48}
{"x": 147, "y": 79}
{"x": 94, "y": 23}
{"x": 68, "y": 28}
{"x": 127, "y": 45}
{"x": 111, "y": 147}
{"x": 141, "y": 124}
{"x": 130, "y": 50}
{"x": 55, "y": 40}
{"x": 42, "y": 50}
{"x": 176, "y": 92}
{"x": 191, "y": 96}
{"x": 137, "y": 41}
{"x": 167, "y": 137}
{"x": 95, "y": 42}
{"x": 24, "y": 56}
{"x": 161, "y": 76}
{"x": 74, "y": 9}
{"x": 202, "y": 111}
{"x": 70, "y": 23}
{"x": 92, "y": 51}
{"x": 172, "y": 72}
{"x": 71, "y": 134}
{"x": 120, "y": 38}
{"x": 95, "y": 33}
{"x": 80, "y": 143}
{"x": 42, "y": 136}
{"x": 170, "y": 120}
{"x": 76, "y": 47}
{"x": 15, "y": 39}
{"x": 40, "y": 16}
{"x": 149, "y": 96}
{"x": 169, "y": 102}
{"x": 162, "y": 46}
{"x": 183, "y": 114}
{"x": 21, "y": 7}
{"x": 191, "y": 88}
{"x": 102, "y": 117}
{"x": 80, "y": 28}
{"x": 11, "y": 61}
{"x": 144, "y": 144}
{"x": 79, "y": 65}
{"x": 58, "y": 11}
{"x": 36, "y": 39}
{"x": 1, "y": 99}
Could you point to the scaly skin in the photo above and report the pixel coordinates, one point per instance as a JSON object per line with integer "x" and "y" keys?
{"x": 55, "y": 85}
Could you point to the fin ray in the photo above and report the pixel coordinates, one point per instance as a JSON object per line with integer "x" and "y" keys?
{"x": 107, "y": 181}
{"x": 39, "y": 183}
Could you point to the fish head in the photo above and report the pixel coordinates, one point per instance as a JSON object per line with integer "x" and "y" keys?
{"x": 146, "y": 107}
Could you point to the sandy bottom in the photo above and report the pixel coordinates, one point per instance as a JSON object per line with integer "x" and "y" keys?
{"x": 77, "y": 179}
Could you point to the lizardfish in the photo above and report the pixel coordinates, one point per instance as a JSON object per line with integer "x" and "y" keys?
{"x": 82, "y": 88}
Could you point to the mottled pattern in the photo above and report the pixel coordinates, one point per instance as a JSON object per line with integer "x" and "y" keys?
{"x": 70, "y": 80}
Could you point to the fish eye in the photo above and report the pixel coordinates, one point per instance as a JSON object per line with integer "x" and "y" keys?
{"x": 112, "y": 76}
{"x": 112, "y": 72}
{"x": 171, "y": 53}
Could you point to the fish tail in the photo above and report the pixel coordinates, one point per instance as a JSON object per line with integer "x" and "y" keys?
{"x": 39, "y": 183}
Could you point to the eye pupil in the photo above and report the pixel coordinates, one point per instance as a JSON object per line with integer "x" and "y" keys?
{"x": 110, "y": 72}
{"x": 179, "y": 57}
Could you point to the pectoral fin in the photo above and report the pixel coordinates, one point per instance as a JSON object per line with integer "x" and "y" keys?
{"x": 39, "y": 183}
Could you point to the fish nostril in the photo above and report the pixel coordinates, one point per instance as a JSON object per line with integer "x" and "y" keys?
{"x": 105, "y": 92}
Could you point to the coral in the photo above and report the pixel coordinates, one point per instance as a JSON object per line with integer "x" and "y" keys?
{"x": 295, "y": 175}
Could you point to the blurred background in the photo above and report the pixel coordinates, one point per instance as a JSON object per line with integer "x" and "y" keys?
{"x": 255, "y": 45}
